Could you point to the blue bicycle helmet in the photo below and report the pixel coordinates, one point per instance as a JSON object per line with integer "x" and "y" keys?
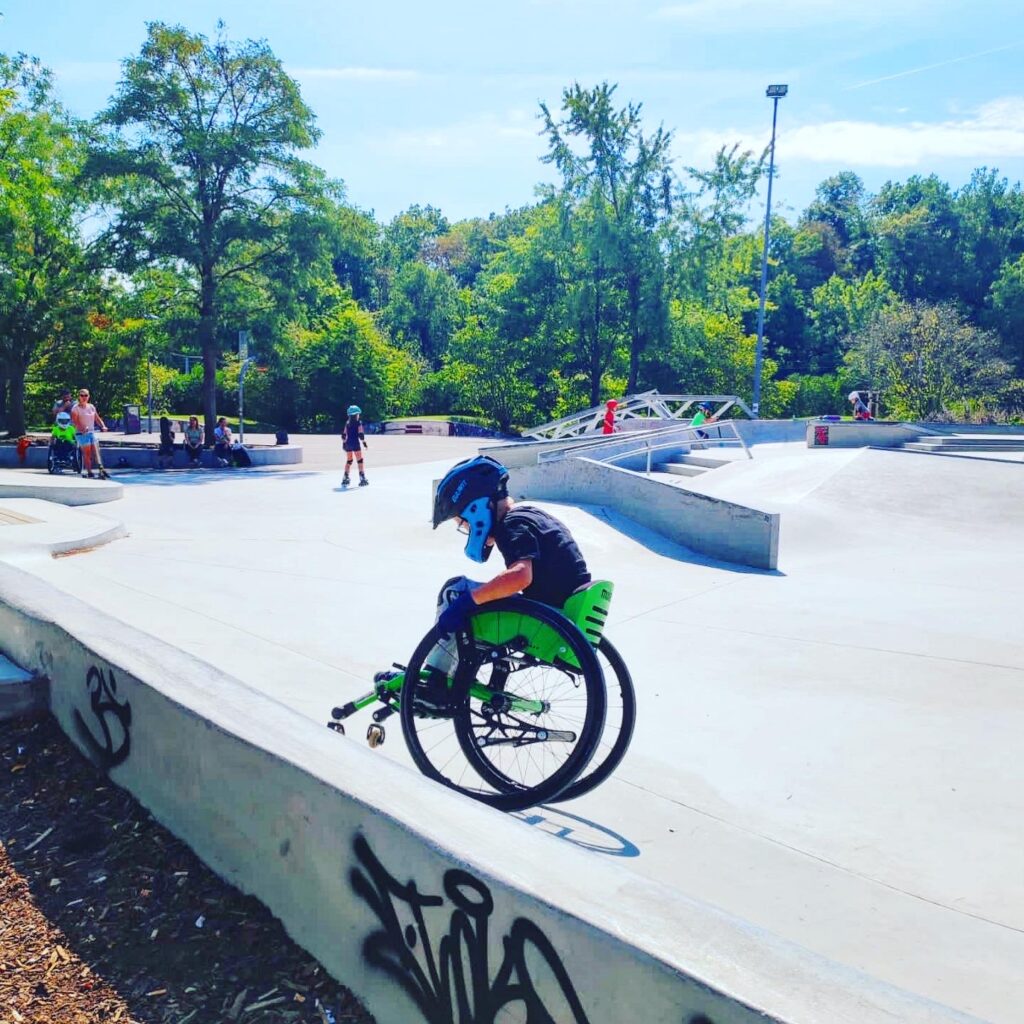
{"x": 471, "y": 490}
{"x": 354, "y": 410}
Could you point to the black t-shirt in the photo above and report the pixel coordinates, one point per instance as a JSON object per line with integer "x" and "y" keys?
{"x": 558, "y": 565}
{"x": 351, "y": 432}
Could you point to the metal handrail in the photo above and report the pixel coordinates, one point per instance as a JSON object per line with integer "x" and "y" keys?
{"x": 645, "y": 439}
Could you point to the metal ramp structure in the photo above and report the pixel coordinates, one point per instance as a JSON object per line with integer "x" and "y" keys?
{"x": 645, "y": 407}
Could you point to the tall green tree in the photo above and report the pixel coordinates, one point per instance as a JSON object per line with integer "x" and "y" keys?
{"x": 202, "y": 145}
{"x": 48, "y": 283}
{"x": 623, "y": 175}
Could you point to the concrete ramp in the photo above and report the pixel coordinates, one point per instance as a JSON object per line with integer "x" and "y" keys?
{"x": 984, "y": 496}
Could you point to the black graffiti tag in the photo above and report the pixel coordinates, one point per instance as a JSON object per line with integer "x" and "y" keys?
{"x": 104, "y": 703}
{"x": 454, "y": 984}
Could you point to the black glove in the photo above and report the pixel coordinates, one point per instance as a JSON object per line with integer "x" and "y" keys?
{"x": 455, "y": 615}
{"x": 365, "y": 445}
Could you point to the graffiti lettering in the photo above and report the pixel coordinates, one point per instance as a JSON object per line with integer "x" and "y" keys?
{"x": 454, "y": 985}
{"x": 104, "y": 703}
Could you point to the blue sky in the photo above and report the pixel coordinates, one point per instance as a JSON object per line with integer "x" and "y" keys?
{"x": 437, "y": 102}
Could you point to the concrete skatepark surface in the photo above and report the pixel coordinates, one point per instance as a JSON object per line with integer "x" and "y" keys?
{"x": 828, "y": 751}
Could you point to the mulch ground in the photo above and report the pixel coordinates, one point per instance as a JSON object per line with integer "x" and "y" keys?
{"x": 106, "y": 917}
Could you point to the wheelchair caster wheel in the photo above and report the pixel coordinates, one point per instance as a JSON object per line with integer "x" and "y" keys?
{"x": 337, "y": 727}
{"x": 375, "y": 735}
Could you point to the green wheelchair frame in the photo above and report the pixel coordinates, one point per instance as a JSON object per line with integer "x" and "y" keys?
{"x": 505, "y": 638}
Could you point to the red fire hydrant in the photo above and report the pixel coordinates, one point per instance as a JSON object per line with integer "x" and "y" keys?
{"x": 24, "y": 443}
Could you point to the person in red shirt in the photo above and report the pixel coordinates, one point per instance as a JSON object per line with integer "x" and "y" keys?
{"x": 609, "y": 417}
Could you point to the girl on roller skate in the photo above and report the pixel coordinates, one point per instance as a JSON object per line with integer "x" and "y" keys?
{"x": 353, "y": 441}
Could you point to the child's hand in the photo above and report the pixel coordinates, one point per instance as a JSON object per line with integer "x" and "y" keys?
{"x": 454, "y": 616}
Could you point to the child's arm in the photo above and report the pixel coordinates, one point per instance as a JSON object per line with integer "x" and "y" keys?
{"x": 517, "y": 577}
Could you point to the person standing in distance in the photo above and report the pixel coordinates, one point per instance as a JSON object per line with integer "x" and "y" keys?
{"x": 608, "y": 427}
{"x": 63, "y": 404}
{"x": 353, "y": 441}
{"x": 85, "y": 417}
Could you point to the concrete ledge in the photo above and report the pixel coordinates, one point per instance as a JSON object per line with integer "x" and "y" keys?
{"x": 60, "y": 488}
{"x": 714, "y": 527}
{"x": 145, "y": 456}
{"x": 21, "y": 693}
{"x": 853, "y": 434}
{"x": 53, "y": 529}
{"x": 401, "y": 888}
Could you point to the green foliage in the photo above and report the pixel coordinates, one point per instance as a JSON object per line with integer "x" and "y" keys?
{"x": 925, "y": 359}
{"x": 622, "y": 278}
{"x": 1006, "y": 309}
{"x": 815, "y": 395}
{"x": 343, "y": 359}
{"x": 48, "y": 282}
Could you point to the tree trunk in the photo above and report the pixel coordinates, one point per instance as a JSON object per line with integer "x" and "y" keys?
{"x": 636, "y": 339}
{"x": 3, "y": 399}
{"x": 208, "y": 342}
{"x": 16, "y": 399}
{"x": 596, "y": 361}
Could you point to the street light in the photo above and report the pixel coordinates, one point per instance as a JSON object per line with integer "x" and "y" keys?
{"x": 774, "y": 93}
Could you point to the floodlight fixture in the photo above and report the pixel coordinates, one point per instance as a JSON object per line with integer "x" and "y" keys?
{"x": 776, "y": 90}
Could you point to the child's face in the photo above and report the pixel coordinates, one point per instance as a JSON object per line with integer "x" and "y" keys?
{"x": 463, "y": 527}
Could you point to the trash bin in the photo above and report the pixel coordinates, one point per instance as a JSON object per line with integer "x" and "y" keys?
{"x": 132, "y": 420}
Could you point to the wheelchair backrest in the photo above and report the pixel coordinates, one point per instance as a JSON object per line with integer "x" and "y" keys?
{"x": 588, "y": 609}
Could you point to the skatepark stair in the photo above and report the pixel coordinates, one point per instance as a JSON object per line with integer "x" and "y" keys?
{"x": 949, "y": 444}
{"x": 690, "y": 465}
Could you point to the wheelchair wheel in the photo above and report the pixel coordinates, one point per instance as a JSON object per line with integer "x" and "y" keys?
{"x": 51, "y": 461}
{"x": 618, "y": 723}
{"x": 509, "y": 710}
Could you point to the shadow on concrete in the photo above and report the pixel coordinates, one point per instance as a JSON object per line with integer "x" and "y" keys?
{"x": 581, "y": 832}
{"x": 660, "y": 545}
{"x": 201, "y": 477}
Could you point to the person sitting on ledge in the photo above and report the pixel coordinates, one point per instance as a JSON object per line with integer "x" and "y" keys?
{"x": 222, "y": 441}
{"x": 860, "y": 410}
{"x": 193, "y": 441}
{"x": 165, "y": 454}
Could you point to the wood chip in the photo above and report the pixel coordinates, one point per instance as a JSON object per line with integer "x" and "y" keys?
{"x": 39, "y": 839}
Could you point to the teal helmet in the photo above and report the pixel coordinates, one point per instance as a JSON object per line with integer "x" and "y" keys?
{"x": 354, "y": 410}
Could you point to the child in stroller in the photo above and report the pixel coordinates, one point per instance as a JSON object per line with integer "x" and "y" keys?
{"x": 63, "y": 452}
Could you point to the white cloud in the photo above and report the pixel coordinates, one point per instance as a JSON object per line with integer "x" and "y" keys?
{"x": 740, "y": 15}
{"x": 475, "y": 141}
{"x": 992, "y": 131}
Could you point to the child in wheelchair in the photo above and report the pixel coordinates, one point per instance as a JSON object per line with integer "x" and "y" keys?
{"x": 509, "y": 703}
{"x": 63, "y": 451}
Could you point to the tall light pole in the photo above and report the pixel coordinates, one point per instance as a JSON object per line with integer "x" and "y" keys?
{"x": 774, "y": 93}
